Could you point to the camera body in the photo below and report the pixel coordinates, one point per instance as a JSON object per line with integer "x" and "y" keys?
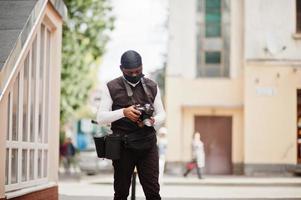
{"x": 146, "y": 111}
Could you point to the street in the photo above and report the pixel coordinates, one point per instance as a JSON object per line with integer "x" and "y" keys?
{"x": 100, "y": 187}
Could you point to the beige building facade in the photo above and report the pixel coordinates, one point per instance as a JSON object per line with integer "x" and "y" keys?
{"x": 233, "y": 74}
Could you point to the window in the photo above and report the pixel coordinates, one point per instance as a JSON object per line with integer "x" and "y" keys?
{"x": 31, "y": 164}
{"x": 15, "y": 118}
{"x": 212, "y": 57}
{"x": 27, "y": 135}
{"x": 47, "y": 87}
{"x": 14, "y": 166}
{"x": 213, "y": 18}
{"x": 6, "y": 167}
{"x": 8, "y": 117}
{"x": 25, "y": 99}
{"x": 41, "y": 84}
{"x": 39, "y": 163}
{"x": 45, "y": 163}
{"x": 24, "y": 165}
{"x": 213, "y": 38}
{"x": 298, "y": 2}
{"x": 33, "y": 89}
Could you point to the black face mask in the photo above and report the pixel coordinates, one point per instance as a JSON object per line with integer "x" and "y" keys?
{"x": 133, "y": 79}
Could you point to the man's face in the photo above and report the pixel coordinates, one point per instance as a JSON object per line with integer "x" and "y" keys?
{"x": 132, "y": 75}
{"x": 132, "y": 72}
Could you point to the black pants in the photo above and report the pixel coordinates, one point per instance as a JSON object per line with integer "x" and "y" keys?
{"x": 147, "y": 164}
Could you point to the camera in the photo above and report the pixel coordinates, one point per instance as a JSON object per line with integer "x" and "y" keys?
{"x": 146, "y": 111}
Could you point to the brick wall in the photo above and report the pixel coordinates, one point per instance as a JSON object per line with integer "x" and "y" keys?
{"x": 46, "y": 194}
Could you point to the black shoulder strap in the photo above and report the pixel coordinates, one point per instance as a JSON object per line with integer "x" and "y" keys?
{"x": 129, "y": 91}
{"x": 146, "y": 91}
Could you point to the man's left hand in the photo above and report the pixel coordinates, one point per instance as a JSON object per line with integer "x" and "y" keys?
{"x": 141, "y": 124}
{"x": 152, "y": 120}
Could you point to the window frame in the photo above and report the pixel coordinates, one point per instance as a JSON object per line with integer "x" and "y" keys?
{"x": 222, "y": 42}
{"x": 37, "y": 146}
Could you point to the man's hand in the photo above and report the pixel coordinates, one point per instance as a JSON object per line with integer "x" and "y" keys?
{"x": 152, "y": 120}
{"x": 131, "y": 113}
{"x": 141, "y": 124}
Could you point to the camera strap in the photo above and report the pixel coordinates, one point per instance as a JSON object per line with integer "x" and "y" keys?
{"x": 130, "y": 91}
{"x": 146, "y": 91}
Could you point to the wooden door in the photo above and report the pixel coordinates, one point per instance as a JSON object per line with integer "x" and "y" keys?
{"x": 299, "y": 126}
{"x": 216, "y": 134}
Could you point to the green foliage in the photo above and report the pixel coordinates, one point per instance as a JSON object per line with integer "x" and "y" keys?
{"x": 159, "y": 76}
{"x": 85, "y": 35}
{"x": 160, "y": 79}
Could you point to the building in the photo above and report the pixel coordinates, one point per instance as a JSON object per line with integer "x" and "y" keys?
{"x": 30, "y": 61}
{"x": 234, "y": 75}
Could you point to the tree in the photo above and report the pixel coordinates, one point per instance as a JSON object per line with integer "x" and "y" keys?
{"x": 159, "y": 76}
{"x": 85, "y": 34}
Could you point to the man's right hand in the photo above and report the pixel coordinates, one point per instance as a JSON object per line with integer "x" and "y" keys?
{"x": 131, "y": 113}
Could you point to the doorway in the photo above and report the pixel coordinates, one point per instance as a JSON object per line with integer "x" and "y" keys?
{"x": 299, "y": 126}
{"x": 216, "y": 134}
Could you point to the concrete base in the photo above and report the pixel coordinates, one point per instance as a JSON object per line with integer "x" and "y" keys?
{"x": 238, "y": 169}
{"x": 178, "y": 168}
{"x": 269, "y": 169}
{"x": 46, "y": 194}
{"x": 175, "y": 168}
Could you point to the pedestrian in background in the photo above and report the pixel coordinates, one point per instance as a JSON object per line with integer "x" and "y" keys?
{"x": 68, "y": 152}
{"x": 198, "y": 156}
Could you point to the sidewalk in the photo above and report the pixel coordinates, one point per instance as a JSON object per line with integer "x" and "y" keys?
{"x": 210, "y": 180}
{"x": 213, "y": 187}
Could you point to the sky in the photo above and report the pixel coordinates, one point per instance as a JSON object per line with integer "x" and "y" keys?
{"x": 140, "y": 25}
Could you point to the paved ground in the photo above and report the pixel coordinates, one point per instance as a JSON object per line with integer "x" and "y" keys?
{"x": 222, "y": 187}
{"x": 191, "y": 192}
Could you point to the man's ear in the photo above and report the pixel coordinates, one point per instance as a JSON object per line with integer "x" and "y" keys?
{"x": 121, "y": 68}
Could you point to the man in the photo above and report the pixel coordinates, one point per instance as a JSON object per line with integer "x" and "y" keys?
{"x": 119, "y": 108}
